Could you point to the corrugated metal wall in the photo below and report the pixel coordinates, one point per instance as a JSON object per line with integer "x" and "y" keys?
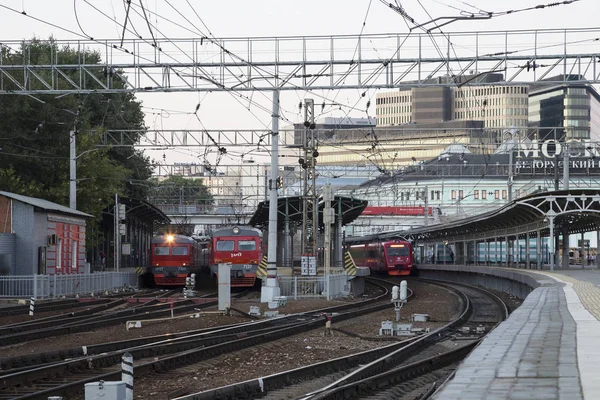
{"x": 25, "y": 249}
{"x": 8, "y": 261}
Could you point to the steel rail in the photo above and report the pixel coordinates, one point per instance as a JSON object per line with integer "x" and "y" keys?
{"x": 192, "y": 352}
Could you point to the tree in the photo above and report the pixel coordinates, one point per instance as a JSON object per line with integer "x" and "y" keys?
{"x": 35, "y": 135}
{"x": 182, "y": 191}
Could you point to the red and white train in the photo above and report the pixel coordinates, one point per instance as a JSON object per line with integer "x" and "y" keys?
{"x": 393, "y": 257}
{"x": 242, "y": 246}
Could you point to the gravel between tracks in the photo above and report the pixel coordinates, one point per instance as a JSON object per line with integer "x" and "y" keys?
{"x": 298, "y": 350}
{"x": 118, "y": 332}
{"x": 253, "y": 362}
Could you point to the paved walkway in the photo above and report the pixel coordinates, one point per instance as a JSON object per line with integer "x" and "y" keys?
{"x": 547, "y": 349}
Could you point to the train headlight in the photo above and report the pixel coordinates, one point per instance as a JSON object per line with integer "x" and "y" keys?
{"x": 170, "y": 238}
{"x": 236, "y": 230}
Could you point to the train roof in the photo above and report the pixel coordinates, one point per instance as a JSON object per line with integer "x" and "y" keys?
{"x": 243, "y": 231}
{"x": 176, "y": 239}
{"x": 383, "y": 242}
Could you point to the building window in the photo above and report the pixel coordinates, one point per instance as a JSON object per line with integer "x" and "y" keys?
{"x": 483, "y": 194}
{"x": 504, "y": 195}
{"x": 476, "y": 194}
{"x": 460, "y": 195}
{"x": 497, "y": 195}
{"x": 432, "y": 195}
{"x": 454, "y": 195}
{"x": 437, "y": 194}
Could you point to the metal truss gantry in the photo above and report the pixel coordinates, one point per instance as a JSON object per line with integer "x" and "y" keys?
{"x": 310, "y": 213}
{"x": 305, "y": 63}
{"x": 260, "y": 139}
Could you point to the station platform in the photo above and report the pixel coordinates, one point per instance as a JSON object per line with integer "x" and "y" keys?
{"x": 547, "y": 349}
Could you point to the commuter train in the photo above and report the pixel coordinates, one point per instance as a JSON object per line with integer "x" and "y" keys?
{"x": 242, "y": 246}
{"x": 393, "y": 257}
{"x": 174, "y": 257}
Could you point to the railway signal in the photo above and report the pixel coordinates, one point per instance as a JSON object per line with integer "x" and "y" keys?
{"x": 399, "y": 297}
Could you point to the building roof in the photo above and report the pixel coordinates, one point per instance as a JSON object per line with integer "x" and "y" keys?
{"x": 44, "y": 204}
{"x": 144, "y": 211}
{"x": 542, "y": 87}
{"x": 577, "y": 212}
{"x": 292, "y": 206}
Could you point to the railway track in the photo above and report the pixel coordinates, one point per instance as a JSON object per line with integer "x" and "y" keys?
{"x": 408, "y": 369}
{"x": 56, "y": 305}
{"x": 95, "y": 317}
{"x": 60, "y": 377}
{"x": 70, "y": 303}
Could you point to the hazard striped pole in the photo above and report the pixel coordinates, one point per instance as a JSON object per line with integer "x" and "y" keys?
{"x": 127, "y": 375}
{"x": 31, "y": 306}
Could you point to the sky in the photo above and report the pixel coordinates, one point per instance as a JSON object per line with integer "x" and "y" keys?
{"x": 270, "y": 18}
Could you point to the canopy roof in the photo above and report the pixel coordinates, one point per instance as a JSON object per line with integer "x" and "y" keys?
{"x": 292, "y": 207}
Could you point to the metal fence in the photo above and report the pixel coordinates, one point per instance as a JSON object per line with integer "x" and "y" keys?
{"x": 314, "y": 286}
{"x": 48, "y": 286}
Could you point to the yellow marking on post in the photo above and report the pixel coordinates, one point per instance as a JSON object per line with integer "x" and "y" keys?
{"x": 261, "y": 270}
{"x": 349, "y": 264}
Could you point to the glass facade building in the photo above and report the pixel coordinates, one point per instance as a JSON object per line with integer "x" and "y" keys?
{"x": 573, "y": 108}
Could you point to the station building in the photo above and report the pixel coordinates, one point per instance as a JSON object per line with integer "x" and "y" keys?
{"x": 40, "y": 237}
{"x": 459, "y": 183}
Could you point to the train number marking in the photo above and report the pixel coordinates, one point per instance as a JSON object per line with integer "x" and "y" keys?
{"x": 236, "y": 255}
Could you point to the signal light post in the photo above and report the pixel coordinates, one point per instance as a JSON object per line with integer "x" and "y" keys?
{"x": 309, "y": 196}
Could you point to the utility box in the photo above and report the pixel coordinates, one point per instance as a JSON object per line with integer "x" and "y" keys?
{"x": 114, "y": 390}
{"x": 254, "y": 310}
{"x": 420, "y": 317}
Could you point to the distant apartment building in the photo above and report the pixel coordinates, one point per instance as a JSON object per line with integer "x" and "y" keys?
{"x": 572, "y": 107}
{"x": 496, "y": 106}
{"x": 427, "y": 105}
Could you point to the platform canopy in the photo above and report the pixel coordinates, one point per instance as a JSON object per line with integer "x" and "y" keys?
{"x": 144, "y": 211}
{"x": 573, "y": 211}
{"x": 290, "y": 207}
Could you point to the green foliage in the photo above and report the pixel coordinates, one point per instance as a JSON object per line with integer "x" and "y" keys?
{"x": 35, "y": 133}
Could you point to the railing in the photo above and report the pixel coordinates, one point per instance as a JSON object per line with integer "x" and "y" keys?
{"x": 48, "y": 286}
{"x": 314, "y": 286}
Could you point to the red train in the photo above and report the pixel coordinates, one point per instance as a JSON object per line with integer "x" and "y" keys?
{"x": 393, "y": 257}
{"x": 242, "y": 246}
{"x": 173, "y": 258}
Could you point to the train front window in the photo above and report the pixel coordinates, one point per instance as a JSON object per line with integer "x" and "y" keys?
{"x": 247, "y": 245}
{"x": 394, "y": 251}
{"x": 161, "y": 251}
{"x": 179, "y": 251}
{"x": 224, "y": 245}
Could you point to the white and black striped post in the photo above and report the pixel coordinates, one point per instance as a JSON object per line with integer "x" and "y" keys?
{"x": 31, "y": 306}
{"x": 127, "y": 375}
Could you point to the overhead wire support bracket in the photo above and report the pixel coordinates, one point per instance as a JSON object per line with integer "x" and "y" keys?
{"x": 450, "y": 20}
{"x": 125, "y": 23}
